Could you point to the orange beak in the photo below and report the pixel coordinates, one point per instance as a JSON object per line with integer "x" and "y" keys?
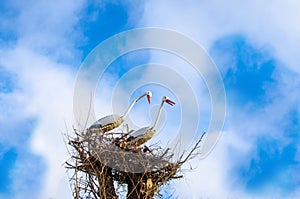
{"x": 170, "y": 102}
{"x": 148, "y": 98}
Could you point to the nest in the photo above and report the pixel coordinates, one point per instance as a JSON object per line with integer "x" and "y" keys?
{"x": 101, "y": 166}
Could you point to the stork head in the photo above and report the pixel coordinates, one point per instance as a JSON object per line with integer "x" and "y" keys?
{"x": 167, "y": 100}
{"x": 149, "y": 95}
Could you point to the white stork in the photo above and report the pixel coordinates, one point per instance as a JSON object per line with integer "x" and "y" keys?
{"x": 110, "y": 122}
{"x": 142, "y": 135}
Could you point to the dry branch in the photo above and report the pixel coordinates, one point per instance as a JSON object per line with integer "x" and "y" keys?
{"x": 99, "y": 163}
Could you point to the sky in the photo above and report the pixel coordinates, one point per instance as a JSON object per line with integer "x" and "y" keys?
{"x": 254, "y": 45}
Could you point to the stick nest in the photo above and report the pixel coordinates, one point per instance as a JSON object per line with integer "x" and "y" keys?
{"x": 101, "y": 166}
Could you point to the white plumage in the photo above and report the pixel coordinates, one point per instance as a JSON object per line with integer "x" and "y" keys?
{"x": 144, "y": 134}
{"x": 111, "y": 122}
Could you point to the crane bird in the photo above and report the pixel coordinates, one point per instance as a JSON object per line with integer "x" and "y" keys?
{"x": 110, "y": 122}
{"x": 142, "y": 135}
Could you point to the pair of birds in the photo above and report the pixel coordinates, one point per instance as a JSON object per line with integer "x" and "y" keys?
{"x": 137, "y": 137}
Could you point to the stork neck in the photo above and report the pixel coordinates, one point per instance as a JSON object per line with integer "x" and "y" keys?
{"x": 132, "y": 104}
{"x": 158, "y": 114}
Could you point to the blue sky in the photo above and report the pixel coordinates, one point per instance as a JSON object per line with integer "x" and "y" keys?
{"x": 255, "y": 46}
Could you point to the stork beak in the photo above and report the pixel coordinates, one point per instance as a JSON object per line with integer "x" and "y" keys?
{"x": 170, "y": 102}
{"x": 148, "y": 98}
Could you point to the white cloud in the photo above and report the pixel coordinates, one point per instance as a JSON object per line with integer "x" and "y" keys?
{"x": 48, "y": 27}
{"x": 273, "y": 23}
{"x": 264, "y": 24}
{"x": 46, "y": 41}
{"x": 41, "y": 58}
{"x": 211, "y": 177}
{"x": 45, "y": 89}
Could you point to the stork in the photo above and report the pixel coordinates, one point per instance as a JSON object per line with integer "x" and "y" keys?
{"x": 110, "y": 122}
{"x": 142, "y": 135}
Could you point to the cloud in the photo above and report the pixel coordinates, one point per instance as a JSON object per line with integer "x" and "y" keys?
{"x": 249, "y": 42}
{"x": 41, "y": 45}
{"x": 265, "y": 24}
{"x": 48, "y": 27}
{"x": 45, "y": 93}
{"x": 39, "y": 58}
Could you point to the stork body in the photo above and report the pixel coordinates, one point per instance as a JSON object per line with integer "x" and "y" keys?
{"x": 111, "y": 122}
{"x": 107, "y": 123}
{"x": 142, "y": 135}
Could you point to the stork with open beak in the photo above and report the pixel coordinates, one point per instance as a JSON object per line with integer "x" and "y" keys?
{"x": 142, "y": 135}
{"x": 111, "y": 122}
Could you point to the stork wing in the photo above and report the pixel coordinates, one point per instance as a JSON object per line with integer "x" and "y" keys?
{"x": 140, "y": 132}
{"x": 105, "y": 121}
